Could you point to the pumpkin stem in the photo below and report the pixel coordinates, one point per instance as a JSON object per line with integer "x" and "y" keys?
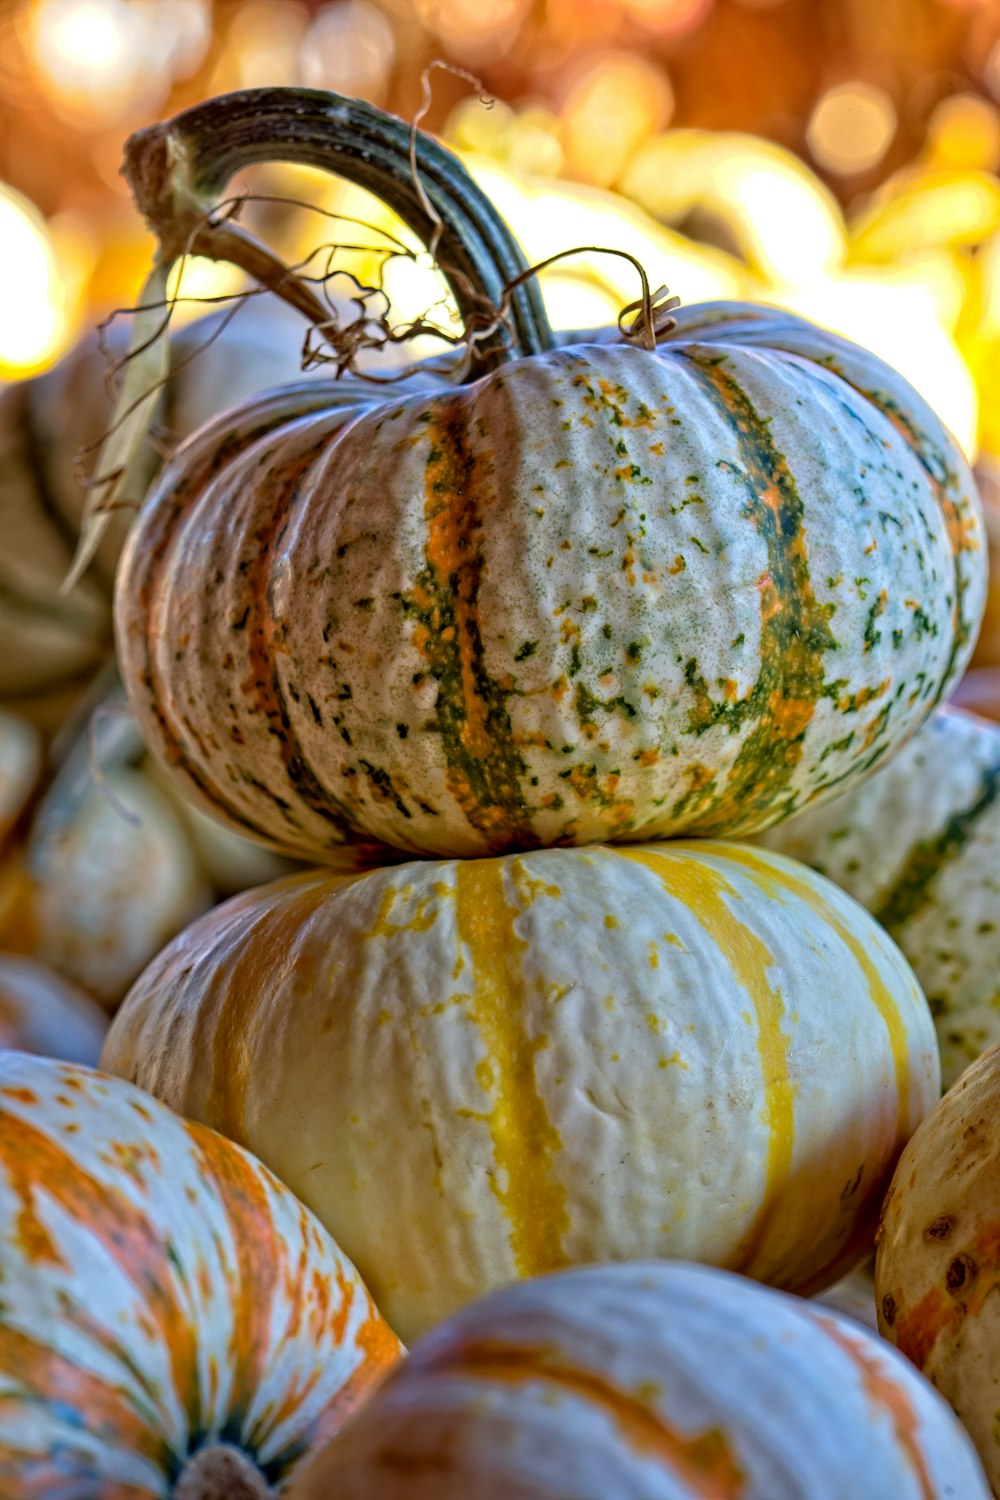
{"x": 221, "y": 1472}
{"x": 178, "y": 170}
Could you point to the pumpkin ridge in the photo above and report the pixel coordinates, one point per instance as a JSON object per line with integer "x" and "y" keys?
{"x": 885, "y": 1394}
{"x": 795, "y": 630}
{"x": 912, "y": 887}
{"x": 37, "y": 1165}
{"x": 484, "y": 764}
{"x": 957, "y": 529}
{"x": 702, "y": 890}
{"x": 767, "y": 876}
{"x": 524, "y": 1138}
{"x": 704, "y": 1460}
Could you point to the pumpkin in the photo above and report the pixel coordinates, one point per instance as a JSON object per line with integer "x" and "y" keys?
{"x": 113, "y": 871}
{"x": 854, "y": 1296}
{"x": 598, "y": 592}
{"x": 937, "y": 1269}
{"x": 919, "y": 846}
{"x": 49, "y": 640}
{"x": 987, "y": 652}
{"x": 173, "y": 1321}
{"x": 979, "y": 692}
{"x": 40, "y": 1012}
{"x": 651, "y": 1380}
{"x": 479, "y": 1070}
{"x": 20, "y": 770}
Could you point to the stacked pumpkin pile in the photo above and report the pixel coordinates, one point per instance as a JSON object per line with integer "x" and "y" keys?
{"x": 514, "y": 659}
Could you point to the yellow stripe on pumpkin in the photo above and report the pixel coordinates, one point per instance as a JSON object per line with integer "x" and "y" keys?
{"x": 524, "y": 1138}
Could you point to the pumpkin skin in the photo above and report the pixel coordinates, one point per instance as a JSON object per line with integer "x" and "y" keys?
{"x": 919, "y": 846}
{"x": 669, "y": 1382}
{"x": 163, "y": 1293}
{"x": 474, "y": 1071}
{"x": 937, "y": 1268}
{"x": 40, "y": 1012}
{"x": 601, "y": 593}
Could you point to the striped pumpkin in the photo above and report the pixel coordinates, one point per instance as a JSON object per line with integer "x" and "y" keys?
{"x": 665, "y": 1382}
{"x": 48, "y": 640}
{"x": 479, "y": 1070}
{"x": 937, "y": 1269}
{"x": 919, "y": 846}
{"x": 40, "y": 1012}
{"x": 171, "y": 1316}
{"x": 601, "y": 592}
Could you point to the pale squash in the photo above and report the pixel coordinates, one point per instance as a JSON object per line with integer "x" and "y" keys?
{"x": 49, "y": 640}
{"x": 937, "y": 1270}
{"x": 41, "y": 1012}
{"x": 479, "y": 1070}
{"x": 170, "y": 1312}
{"x": 919, "y": 846}
{"x": 600, "y": 592}
{"x": 665, "y": 1382}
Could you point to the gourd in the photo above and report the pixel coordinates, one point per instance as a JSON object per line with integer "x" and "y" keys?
{"x": 938, "y": 1261}
{"x": 49, "y": 640}
{"x": 173, "y": 1321}
{"x": 919, "y": 846}
{"x": 979, "y": 692}
{"x": 652, "y": 1380}
{"x": 479, "y": 1070}
{"x": 606, "y": 591}
{"x": 987, "y": 652}
{"x": 41, "y": 1012}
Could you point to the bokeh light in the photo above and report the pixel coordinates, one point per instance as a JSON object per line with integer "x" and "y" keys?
{"x": 851, "y": 127}
{"x": 33, "y": 310}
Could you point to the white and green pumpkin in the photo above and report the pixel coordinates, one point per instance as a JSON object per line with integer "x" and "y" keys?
{"x": 919, "y": 845}
{"x": 600, "y": 592}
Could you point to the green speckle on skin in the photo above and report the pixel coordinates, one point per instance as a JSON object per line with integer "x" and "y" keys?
{"x": 526, "y": 649}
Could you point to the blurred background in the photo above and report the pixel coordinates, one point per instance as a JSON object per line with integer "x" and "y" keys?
{"x": 835, "y": 156}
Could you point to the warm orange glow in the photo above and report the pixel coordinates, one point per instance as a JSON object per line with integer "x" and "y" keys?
{"x": 964, "y": 132}
{"x": 471, "y": 29}
{"x": 851, "y": 127}
{"x": 263, "y": 46}
{"x": 349, "y": 48}
{"x": 33, "y": 317}
{"x": 669, "y": 17}
{"x": 610, "y": 111}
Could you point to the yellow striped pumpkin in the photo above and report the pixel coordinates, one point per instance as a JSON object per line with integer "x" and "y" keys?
{"x": 600, "y": 592}
{"x": 937, "y": 1269}
{"x": 479, "y": 1070}
{"x": 665, "y": 1382}
{"x": 173, "y": 1322}
{"x": 919, "y": 846}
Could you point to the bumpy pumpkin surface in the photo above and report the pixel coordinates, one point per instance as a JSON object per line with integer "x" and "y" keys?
{"x": 40, "y": 1012}
{"x": 599, "y": 594}
{"x": 164, "y": 1296}
{"x": 480, "y": 1070}
{"x": 919, "y": 846}
{"x": 669, "y": 1382}
{"x": 602, "y": 592}
{"x": 937, "y": 1269}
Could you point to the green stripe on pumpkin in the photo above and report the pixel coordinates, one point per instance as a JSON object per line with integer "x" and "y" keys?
{"x": 929, "y": 857}
{"x": 795, "y": 632}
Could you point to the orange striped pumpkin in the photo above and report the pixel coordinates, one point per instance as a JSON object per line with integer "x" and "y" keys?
{"x": 173, "y": 1321}
{"x": 600, "y": 592}
{"x": 937, "y": 1269}
{"x": 659, "y": 1381}
{"x": 479, "y": 1070}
